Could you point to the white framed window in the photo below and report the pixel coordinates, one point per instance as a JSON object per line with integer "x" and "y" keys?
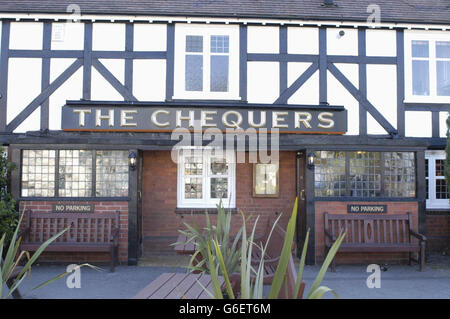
{"x": 206, "y": 62}
{"x": 437, "y": 192}
{"x": 427, "y": 67}
{"x": 205, "y": 177}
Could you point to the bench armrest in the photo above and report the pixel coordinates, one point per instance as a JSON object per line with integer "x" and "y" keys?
{"x": 114, "y": 236}
{"x": 266, "y": 261}
{"x": 417, "y": 235}
{"x": 329, "y": 235}
{"x": 24, "y": 233}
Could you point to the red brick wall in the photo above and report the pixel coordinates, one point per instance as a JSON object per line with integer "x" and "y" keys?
{"x": 99, "y": 207}
{"x": 161, "y": 223}
{"x": 341, "y": 208}
{"x": 438, "y": 231}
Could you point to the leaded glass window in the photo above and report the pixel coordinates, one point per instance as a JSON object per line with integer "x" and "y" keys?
{"x": 399, "y": 171}
{"x": 75, "y": 173}
{"x": 38, "y": 173}
{"x": 69, "y": 173}
{"x": 111, "y": 174}
{"x": 365, "y": 174}
{"x": 330, "y": 178}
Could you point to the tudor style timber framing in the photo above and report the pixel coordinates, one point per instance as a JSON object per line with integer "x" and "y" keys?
{"x": 321, "y": 63}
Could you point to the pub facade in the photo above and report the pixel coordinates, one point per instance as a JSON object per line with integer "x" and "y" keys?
{"x": 113, "y": 108}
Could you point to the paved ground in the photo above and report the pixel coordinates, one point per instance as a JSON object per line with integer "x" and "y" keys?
{"x": 398, "y": 281}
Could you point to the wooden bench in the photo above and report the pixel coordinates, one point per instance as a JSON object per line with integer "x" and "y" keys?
{"x": 87, "y": 232}
{"x": 178, "y": 286}
{"x": 375, "y": 233}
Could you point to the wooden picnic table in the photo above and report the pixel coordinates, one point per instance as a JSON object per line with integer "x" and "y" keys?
{"x": 178, "y": 286}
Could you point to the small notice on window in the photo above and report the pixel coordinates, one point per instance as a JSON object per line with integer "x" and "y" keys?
{"x": 367, "y": 209}
{"x": 73, "y": 208}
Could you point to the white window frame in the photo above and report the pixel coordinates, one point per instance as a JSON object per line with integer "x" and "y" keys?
{"x": 206, "y": 31}
{"x": 432, "y": 37}
{"x": 432, "y": 202}
{"x": 206, "y": 201}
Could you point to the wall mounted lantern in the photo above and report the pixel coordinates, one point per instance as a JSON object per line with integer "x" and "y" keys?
{"x": 132, "y": 160}
{"x": 310, "y": 160}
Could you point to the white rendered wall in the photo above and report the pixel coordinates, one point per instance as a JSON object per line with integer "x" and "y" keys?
{"x": 263, "y": 39}
{"x": 67, "y": 36}
{"x": 24, "y": 85}
{"x": 108, "y": 36}
{"x": 263, "y": 82}
{"x": 381, "y": 42}
{"x": 150, "y": 37}
{"x": 342, "y": 45}
{"x": 149, "y": 80}
{"x": 26, "y": 36}
{"x": 382, "y": 93}
{"x": 303, "y": 40}
{"x": 418, "y": 124}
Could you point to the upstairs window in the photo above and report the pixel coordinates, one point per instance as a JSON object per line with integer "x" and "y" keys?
{"x": 427, "y": 67}
{"x": 206, "y": 62}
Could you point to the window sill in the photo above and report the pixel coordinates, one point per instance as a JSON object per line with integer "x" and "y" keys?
{"x": 426, "y": 100}
{"x": 76, "y": 199}
{"x": 201, "y": 211}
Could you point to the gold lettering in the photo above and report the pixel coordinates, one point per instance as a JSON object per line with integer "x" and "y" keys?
{"x": 204, "y": 118}
{"x": 155, "y": 119}
{"x": 189, "y": 118}
{"x": 99, "y": 117}
{"x": 323, "y": 118}
{"x": 228, "y": 123}
{"x": 302, "y": 117}
{"x": 81, "y": 117}
{"x": 124, "y": 117}
{"x": 251, "y": 121}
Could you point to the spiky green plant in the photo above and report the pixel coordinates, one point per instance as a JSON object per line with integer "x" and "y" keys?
{"x": 220, "y": 233}
{"x": 252, "y": 279}
{"x": 13, "y": 258}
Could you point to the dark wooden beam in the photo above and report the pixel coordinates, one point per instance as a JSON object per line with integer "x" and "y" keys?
{"x": 170, "y": 61}
{"x": 243, "y": 57}
{"x": 116, "y": 84}
{"x": 362, "y": 69}
{"x": 361, "y": 99}
{"x": 287, "y": 93}
{"x": 129, "y": 47}
{"x": 400, "y": 83}
{"x": 45, "y": 75}
{"x": 283, "y": 38}
{"x": 279, "y": 57}
{"x": 323, "y": 82}
{"x": 87, "y": 61}
{"x": 4, "y": 61}
{"x": 435, "y": 124}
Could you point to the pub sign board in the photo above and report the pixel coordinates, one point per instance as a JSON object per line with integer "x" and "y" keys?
{"x": 126, "y": 118}
{"x": 366, "y": 209}
{"x": 72, "y": 208}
